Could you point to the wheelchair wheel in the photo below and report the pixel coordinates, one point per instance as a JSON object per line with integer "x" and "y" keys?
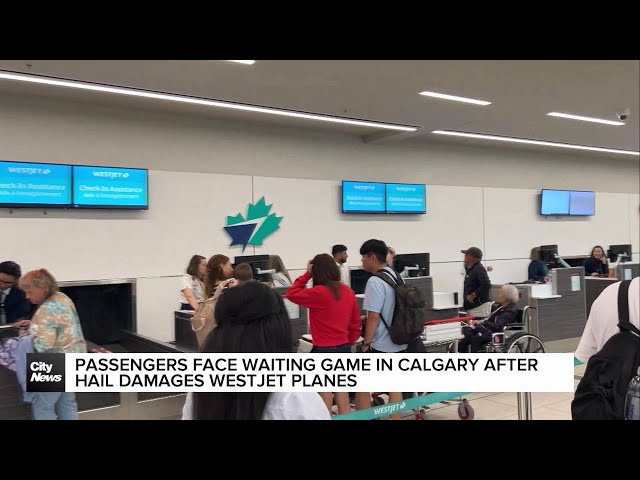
{"x": 465, "y": 410}
{"x": 377, "y": 401}
{"x": 523, "y": 342}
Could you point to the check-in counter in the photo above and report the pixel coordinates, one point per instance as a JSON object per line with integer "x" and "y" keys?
{"x": 594, "y": 287}
{"x": 185, "y": 337}
{"x": 107, "y": 314}
{"x": 558, "y": 308}
{"x": 627, "y": 271}
{"x": 439, "y": 305}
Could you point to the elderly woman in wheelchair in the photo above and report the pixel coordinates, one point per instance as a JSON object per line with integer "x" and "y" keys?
{"x": 479, "y": 332}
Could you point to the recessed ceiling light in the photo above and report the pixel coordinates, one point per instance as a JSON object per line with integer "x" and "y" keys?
{"x": 454, "y": 98}
{"x": 585, "y": 119}
{"x": 246, "y": 62}
{"x": 96, "y": 87}
{"x": 533, "y": 142}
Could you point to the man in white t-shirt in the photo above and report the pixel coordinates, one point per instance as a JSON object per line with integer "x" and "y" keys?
{"x": 340, "y": 255}
{"x": 603, "y": 319}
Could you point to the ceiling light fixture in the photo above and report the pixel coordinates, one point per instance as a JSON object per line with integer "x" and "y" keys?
{"x": 585, "y": 119}
{"x": 454, "y": 98}
{"x": 533, "y": 142}
{"x": 246, "y": 62}
{"x": 198, "y": 101}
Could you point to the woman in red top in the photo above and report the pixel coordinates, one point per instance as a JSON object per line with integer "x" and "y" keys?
{"x": 334, "y": 315}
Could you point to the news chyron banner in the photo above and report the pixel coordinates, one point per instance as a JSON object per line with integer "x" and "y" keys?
{"x": 298, "y": 372}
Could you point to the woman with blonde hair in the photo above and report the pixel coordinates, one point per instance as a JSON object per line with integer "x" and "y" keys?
{"x": 281, "y": 277}
{"x": 56, "y": 328}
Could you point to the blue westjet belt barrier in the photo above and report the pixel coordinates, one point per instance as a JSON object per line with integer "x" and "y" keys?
{"x": 397, "y": 407}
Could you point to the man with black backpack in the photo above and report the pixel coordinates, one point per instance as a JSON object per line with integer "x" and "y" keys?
{"x": 610, "y": 345}
{"x": 603, "y": 319}
{"x": 395, "y": 311}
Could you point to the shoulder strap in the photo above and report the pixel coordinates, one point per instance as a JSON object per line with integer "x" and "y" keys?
{"x": 623, "y": 308}
{"x": 385, "y": 276}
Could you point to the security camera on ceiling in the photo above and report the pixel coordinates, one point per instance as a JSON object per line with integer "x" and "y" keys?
{"x": 622, "y": 116}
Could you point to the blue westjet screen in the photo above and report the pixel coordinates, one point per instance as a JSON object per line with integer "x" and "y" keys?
{"x": 363, "y": 197}
{"x": 555, "y": 202}
{"x": 35, "y": 184}
{"x": 406, "y": 198}
{"x": 582, "y": 203}
{"x": 110, "y": 187}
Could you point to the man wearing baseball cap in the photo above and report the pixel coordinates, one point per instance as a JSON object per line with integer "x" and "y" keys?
{"x": 477, "y": 285}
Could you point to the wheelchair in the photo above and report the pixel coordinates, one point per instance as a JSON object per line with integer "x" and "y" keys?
{"x": 514, "y": 338}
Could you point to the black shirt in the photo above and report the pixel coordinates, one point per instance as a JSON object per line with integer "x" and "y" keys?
{"x": 501, "y": 317}
{"x": 591, "y": 265}
{"x": 16, "y": 306}
{"x": 476, "y": 281}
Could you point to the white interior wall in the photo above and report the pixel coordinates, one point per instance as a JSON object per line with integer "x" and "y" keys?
{"x": 202, "y": 170}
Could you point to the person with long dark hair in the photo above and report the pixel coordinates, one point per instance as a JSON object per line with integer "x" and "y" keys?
{"x": 334, "y": 315}
{"x": 252, "y": 319}
{"x": 596, "y": 265}
{"x": 192, "y": 285}
{"x": 218, "y": 270}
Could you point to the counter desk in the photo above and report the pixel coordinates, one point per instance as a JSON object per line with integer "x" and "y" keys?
{"x": 558, "y": 308}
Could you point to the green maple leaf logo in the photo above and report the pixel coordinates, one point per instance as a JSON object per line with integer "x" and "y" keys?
{"x": 258, "y": 224}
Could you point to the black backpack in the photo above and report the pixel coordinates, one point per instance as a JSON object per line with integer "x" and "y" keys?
{"x": 409, "y": 313}
{"x": 601, "y": 392}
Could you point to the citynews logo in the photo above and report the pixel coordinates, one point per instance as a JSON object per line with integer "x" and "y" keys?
{"x": 45, "y": 372}
{"x": 29, "y": 171}
{"x": 111, "y": 174}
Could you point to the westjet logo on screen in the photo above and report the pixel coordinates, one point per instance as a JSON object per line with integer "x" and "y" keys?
{"x": 29, "y": 171}
{"x": 111, "y": 174}
{"x": 364, "y": 187}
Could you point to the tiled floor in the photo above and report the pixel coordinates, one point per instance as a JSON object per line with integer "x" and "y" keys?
{"x": 504, "y": 406}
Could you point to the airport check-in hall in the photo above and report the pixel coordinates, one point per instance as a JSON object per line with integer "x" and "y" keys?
{"x": 236, "y": 207}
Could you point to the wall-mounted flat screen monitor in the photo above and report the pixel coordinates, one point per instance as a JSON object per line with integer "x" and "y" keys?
{"x": 363, "y": 197}
{"x": 567, "y": 202}
{"x": 406, "y": 198}
{"x": 33, "y": 185}
{"x": 109, "y": 187}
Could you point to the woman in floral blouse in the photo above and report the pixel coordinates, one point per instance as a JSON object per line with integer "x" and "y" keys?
{"x": 56, "y": 329}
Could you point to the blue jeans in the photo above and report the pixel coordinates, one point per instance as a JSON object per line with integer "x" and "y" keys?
{"x": 345, "y": 348}
{"x": 48, "y": 405}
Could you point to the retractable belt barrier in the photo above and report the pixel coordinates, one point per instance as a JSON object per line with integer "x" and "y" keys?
{"x": 397, "y": 407}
